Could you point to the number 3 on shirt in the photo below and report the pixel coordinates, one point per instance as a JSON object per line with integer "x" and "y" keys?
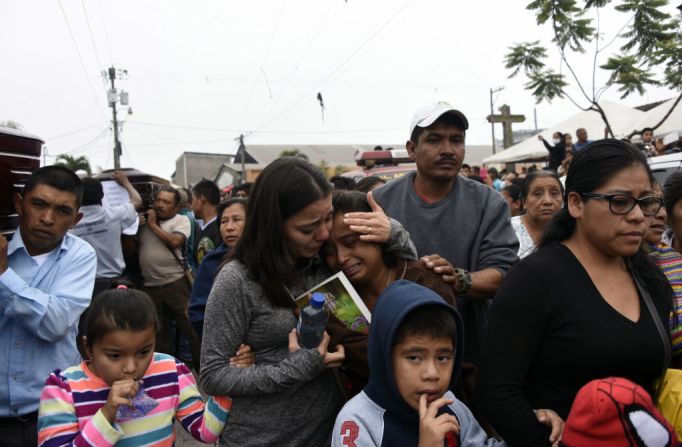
{"x": 349, "y": 433}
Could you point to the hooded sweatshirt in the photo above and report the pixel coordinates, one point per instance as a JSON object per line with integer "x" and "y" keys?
{"x": 379, "y": 416}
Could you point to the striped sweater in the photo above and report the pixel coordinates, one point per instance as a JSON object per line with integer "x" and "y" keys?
{"x": 669, "y": 261}
{"x": 71, "y": 400}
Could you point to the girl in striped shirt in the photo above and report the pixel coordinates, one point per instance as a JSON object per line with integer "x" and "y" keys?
{"x": 80, "y": 406}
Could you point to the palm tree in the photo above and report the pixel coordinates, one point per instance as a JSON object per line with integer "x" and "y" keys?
{"x": 74, "y": 163}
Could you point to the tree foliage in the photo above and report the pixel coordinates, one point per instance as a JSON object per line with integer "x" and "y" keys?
{"x": 651, "y": 54}
{"x": 74, "y": 163}
{"x": 340, "y": 169}
{"x": 626, "y": 73}
{"x": 293, "y": 153}
{"x": 546, "y": 84}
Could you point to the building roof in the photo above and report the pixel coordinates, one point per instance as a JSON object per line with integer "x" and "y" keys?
{"x": 331, "y": 154}
{"x": 192, "y": 167}
{"x": 651, "y": 105}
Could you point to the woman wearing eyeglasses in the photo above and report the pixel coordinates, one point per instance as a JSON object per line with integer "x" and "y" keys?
{"x": 572, "y": 311}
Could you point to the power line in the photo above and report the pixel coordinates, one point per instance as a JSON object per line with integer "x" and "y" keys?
{"x": 106, "y": 34}
{"x": 300, "y": 60}
{"x": 173, "y": 126}
{"x": 177, "y": 143}
{"x": 126, "y": 154}
{"x": 87, "y": 144}
{"x": 92, "y": 38}
{"x": 265, "y": 57}
{"x": 108, "y": 158}
{"x": 336, "y": 68}
{"x": 73, "y": 132}
{"x": 39, "y": 97}
{"x": 80, "y": 57}
{"x": 266, "y": 132}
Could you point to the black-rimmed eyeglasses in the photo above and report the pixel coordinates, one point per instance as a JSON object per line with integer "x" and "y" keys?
{"x": 624, "y": 203}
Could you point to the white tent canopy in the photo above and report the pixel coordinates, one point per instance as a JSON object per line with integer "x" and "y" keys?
{"x": 620, "y": 117}
{"x": 672, "y": 124}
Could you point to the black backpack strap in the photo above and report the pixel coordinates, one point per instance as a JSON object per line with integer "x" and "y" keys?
{"x": 662, "y": 331}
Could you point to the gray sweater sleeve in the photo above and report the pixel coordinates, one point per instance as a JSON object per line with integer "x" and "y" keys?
{"x": 499, "y": 244}
{"x": 399, "y": 243}
{"x": 471, "y": 434}
{"x": 227, "y": 323}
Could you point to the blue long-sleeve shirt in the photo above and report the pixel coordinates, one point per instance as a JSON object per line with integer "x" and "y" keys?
{"x": 578, "y": 146}
{"x": 203, "y": 281}
{"x": 40, "y": 307}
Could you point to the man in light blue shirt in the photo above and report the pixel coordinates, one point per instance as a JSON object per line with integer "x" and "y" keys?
{"x": 46, "y": 280}
{"x": 582, "y": 142}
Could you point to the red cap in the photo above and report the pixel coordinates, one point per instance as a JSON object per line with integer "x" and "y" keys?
{"x": 615, "y": 412}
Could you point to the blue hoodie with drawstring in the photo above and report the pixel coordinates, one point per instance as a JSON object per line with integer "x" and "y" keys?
{"x": 379, "y": 416}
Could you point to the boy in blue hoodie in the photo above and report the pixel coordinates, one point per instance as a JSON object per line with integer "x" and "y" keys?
{"x": 414, "y": 361}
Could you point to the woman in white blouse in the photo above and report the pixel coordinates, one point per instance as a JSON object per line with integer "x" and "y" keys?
{"x": 542, "y": 196}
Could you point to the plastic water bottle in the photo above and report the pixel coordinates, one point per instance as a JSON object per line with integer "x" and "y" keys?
{"x": 312, "y": 322}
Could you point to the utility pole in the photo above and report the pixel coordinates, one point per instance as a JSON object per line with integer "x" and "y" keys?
{"x": 242, "y": 150}
{"x": 112, "y": 103}
{"x": 535, "y": 118}
{"x": 492, "y": 112}
{"x": 113, "y": 97}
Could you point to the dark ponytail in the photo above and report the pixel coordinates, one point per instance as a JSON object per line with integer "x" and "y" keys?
{"x": 560, "y": 228}
{"x": 592, "y": 167}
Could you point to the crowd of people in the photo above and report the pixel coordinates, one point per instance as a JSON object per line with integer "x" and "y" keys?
{"x": 562, "y": 149}
{"x": 501, "y": 304}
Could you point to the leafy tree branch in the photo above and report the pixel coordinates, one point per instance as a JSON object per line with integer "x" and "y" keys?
{"x": 651, "y": 53}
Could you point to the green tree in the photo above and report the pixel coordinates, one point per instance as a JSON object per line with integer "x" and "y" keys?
{"x": 651, "y": 54}
{"x": 74, "y": 163}
{"x": 340, "y": 169}
{"x": 293, "y": 153}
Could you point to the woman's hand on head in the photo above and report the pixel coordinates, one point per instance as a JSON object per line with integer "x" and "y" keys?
{"x": 121, "y": 393}
{"x": 372, "y": 227}
{"x": 553, "y": 421}
{"x": 244, "y": 357}
{"x": 329, "y": 359}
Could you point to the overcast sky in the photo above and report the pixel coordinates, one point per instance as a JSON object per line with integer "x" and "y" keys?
{"x": 202, "y": 72}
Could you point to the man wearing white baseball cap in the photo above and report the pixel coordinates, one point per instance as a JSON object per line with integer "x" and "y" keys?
{"x": 464, "y": 221}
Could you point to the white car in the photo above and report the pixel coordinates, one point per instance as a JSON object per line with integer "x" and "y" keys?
{"x": 664, "y": 165}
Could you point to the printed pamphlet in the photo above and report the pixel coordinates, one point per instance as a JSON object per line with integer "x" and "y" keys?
{"x": 342, "y": 300}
